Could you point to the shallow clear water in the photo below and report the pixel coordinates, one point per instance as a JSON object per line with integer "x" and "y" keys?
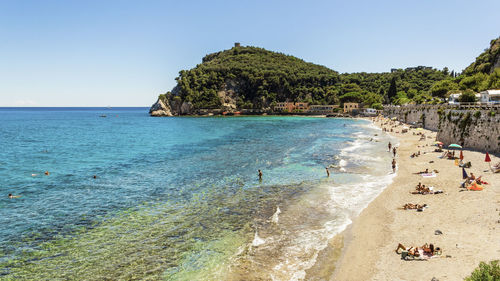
{"x": 177, "y": 198}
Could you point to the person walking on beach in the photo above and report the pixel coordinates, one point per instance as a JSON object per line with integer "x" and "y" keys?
{"x": 394, "y": 151}
{"x": 389, "y": 145}
{"x": 327, "y": 172}
{"x": 393, "y": 165}
{"x": 260, "y": 175}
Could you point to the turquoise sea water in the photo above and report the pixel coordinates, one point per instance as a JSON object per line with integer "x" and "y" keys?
{"x": 177, "y": 198}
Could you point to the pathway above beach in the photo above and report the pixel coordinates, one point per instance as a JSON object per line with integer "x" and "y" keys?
{"x": 469, "y": 220}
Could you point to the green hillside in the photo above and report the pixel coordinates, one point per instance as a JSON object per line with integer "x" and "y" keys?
{"x": 255, "y": 78}
{"x": 259, "y": 77}
{"x": 487, "y": 61}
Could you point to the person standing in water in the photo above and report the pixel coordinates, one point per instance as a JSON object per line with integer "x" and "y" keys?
{"x": 389, "y": 146}
{"x": 327, "y": 172}
{"x": 394, "y": 151}
{"x": 260, "y": 175}
{"x": 393, "y": 165}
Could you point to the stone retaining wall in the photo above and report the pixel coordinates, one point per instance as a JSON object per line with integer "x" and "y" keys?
{"x": 476, "y": 127}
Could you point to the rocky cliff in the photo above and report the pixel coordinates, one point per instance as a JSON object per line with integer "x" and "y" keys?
{"x": 160, "y": 108}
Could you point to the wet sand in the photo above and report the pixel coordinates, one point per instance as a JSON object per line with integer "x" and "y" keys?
{"x": 469, "y": 221}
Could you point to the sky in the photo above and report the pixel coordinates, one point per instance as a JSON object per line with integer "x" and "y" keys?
{"x": 126, "y": 53}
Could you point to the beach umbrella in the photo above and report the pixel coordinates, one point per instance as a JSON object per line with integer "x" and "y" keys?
{"x": 454, "y": 145}
{"x": 487, "y": 158}
{"x": 438, "y": 143}
{"x": 464, "y": 173}
{"x": 461, "y": 155}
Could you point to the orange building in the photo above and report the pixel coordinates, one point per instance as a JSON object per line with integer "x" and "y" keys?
{"x": 350, "y": 106}
{"x": 291, "y": 106}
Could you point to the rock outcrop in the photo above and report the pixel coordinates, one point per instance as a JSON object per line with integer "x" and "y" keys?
{"x": 160, "y": 108}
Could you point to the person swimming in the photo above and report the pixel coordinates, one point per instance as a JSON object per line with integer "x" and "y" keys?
{"x": 13, "y": 196}
{"x": 47, "y": 173}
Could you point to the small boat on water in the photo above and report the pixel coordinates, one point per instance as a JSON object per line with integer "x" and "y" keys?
{"x": 103, "y": 115}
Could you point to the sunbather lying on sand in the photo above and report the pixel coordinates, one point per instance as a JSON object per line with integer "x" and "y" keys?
{"x": 426, "y": 251}
{"x": 427, "y": 190}
{"x": 423, "y": 172}
{"x": 410, "y": 206}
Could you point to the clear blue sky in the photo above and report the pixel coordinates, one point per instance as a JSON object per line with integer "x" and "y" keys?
{"x": 125, "y": 53}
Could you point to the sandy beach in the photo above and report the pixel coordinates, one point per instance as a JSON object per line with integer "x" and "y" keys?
{"x": 469, "y": 220}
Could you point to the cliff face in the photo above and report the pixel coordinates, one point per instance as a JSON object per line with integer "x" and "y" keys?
{"x": 476, "y": 128}
{"x": 160, "y": 108}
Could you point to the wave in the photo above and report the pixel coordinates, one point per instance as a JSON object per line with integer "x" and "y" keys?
{"x": 307, "y": 223}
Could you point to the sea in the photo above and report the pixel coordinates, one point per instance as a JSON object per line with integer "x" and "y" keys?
{"x": 129, "y": 196}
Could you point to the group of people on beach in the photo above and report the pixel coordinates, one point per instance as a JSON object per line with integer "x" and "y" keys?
{"x": 427, "y": 250}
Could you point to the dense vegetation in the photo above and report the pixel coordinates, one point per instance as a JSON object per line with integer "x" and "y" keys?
{"x": 485, "y": 62}
{"x": 479, "y": 76}
{"x": 486, "y": 272}
{"x": 398, "y": 87}
{"x": 258, "y": 78}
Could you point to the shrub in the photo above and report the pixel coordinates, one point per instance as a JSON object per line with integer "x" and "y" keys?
{"x": 491, "y": 113}
{"x": 377, "y": 106}
{"x": 486, "y": 272}
{"x": 477, "y": 114}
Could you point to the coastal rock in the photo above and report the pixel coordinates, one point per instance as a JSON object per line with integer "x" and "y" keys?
{"x": 160, "y": 108}
{"x": 186, "y": 108}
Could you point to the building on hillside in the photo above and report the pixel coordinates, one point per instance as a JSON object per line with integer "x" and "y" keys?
{"x": 453, "y": 98}
{"x": 350, "y": 106}
{"x": 369, "y": 112}
{"x": 302, "y": 106}
{"x": 322, "y": 109}
{"x": 291, "y": 106}
{"x": 490, "y": 96}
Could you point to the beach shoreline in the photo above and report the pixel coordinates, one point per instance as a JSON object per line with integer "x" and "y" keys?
{"x": 369, "y": 242}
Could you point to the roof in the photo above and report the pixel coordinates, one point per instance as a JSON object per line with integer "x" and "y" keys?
{"x": 491, "y": 92}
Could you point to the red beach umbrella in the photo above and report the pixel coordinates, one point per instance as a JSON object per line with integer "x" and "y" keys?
{"x": 461, "y": 155}
{"x": 487, "y": 158}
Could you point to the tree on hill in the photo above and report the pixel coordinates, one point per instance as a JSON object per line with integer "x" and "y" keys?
{"x": 467, "y": 96}
{"x": 391, "y": 94}
{"x": 441, "y": 88}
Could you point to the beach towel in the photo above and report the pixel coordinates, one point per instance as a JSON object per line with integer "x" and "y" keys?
{"x": 429, "y": 175}
{"x": 476, "y": 187}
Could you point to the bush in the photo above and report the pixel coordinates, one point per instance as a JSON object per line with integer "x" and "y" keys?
{"x": 467, "y": 96}
{"x": 377, "y": 106}
{"x": 491, "y": 113}
{"x": 477, "y": 114}
{"x": 486, "y": 272}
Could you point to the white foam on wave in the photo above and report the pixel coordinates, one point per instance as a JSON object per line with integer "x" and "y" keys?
{"x": 345, "y": 201}
{"x": 257, "y": 241}
{"x": 275, "y": 216}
